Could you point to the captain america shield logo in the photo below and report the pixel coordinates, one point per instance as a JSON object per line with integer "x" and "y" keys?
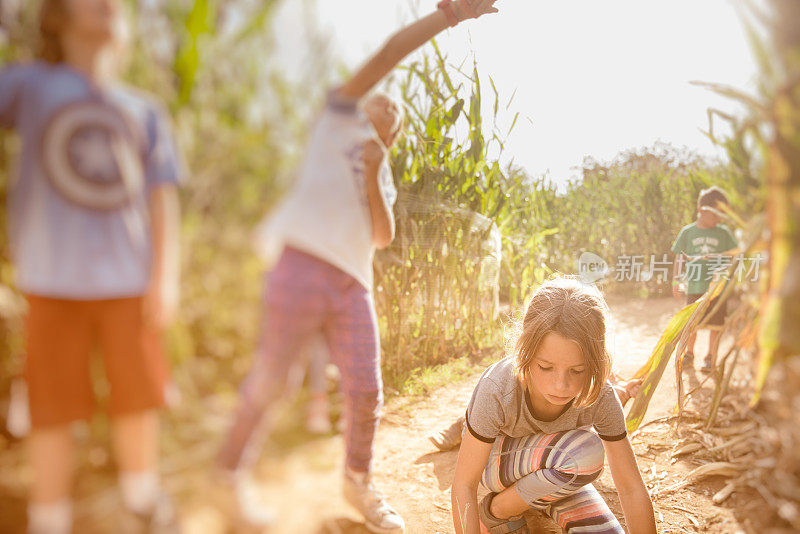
{"x": 89, "y": 155}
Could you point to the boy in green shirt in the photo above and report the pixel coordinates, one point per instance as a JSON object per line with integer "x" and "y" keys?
{"x": 697, "y": 245}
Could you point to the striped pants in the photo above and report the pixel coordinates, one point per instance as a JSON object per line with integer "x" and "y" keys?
{"x": 553, "y": 473}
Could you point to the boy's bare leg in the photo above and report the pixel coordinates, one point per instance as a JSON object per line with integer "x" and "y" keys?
{"x": 690, "y": 343}
{"x": 714, "y": 336}
{"x": 710, "y": 361}
{"x": 135, "y": 440}
{"x": 52, "y": 455}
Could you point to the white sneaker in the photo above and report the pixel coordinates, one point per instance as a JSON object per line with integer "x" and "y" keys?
{"x": 362, "y": 495}
{"x": 237, "y": 499}
{"x": 161, "y": 519}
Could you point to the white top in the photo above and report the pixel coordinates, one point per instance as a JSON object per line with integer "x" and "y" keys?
{"x": 326, "y": 214}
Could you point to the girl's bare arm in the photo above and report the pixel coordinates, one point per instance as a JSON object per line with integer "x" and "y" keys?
{"x": 633, "y": 496}
{"x": 677, "y": 271}
{"x": 380, "y": 212}
{"x": 472, "y": 458}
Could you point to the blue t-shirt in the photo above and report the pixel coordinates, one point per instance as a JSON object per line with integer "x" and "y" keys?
{"x": 78, "y": 209}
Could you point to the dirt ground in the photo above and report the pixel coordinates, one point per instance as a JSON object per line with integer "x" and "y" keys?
{"x": 304, "y": 484}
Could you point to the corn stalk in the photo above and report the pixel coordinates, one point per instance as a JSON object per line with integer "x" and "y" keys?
{"x": 780, "y": 336}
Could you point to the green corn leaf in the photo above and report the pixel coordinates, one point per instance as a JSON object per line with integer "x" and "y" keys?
{"x": 653, "y": 370}
{"x": 200, "y": 20}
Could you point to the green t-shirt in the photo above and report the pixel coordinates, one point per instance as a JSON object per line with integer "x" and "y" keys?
{"x": 694, "y": 241}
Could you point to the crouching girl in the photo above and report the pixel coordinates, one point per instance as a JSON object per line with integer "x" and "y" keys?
{"x": 541, "y": 422}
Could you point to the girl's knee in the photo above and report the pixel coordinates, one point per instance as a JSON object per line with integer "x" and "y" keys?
{"x": 582, "y": 454}
{"x": 262, "y": 388}
{"x": 590, "y": 441}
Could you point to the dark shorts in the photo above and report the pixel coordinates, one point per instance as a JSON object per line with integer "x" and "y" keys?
{"x": 61, "y": 336}
{"x": 718, "y": 318}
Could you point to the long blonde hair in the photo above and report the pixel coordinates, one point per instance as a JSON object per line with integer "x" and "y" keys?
{"x": 575, "y": 311}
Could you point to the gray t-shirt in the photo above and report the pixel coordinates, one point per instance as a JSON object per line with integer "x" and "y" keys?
{"x": 499, "y": 405}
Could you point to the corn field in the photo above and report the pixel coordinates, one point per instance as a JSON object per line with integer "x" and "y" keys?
{"x": 474, "y": 236}
{"x": 753, "y": 445}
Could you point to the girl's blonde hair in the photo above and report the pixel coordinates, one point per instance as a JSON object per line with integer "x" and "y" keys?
{"x": 577, "y": 312}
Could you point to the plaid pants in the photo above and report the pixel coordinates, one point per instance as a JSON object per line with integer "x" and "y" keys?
{"x": 306, "y": 297}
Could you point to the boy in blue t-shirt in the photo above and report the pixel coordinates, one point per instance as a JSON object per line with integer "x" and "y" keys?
{"x": 93, "y": 232}
{"x": 697, "y": 245}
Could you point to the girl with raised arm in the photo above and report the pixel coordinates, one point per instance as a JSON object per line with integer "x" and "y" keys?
{"x": 338, "y": 213}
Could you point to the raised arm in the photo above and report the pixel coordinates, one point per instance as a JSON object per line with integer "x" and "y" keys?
{"x": 408, "y": 39}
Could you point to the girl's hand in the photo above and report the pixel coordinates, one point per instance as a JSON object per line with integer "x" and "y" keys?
{"x": 374, "y": 153}
{"x": 160, "y": 305}
{"x": 627, "y": 390}
{"x": 472, "y": 9}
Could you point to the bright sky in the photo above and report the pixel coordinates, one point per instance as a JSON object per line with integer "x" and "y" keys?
{"x": 594, "y": 77}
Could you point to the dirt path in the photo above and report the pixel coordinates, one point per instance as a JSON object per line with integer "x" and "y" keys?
{"x": 304, "y": 485}
{"x": 417, "y": 479}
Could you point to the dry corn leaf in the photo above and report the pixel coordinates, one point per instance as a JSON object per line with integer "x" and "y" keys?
{"x": 714, "y": 468}
{"x": 730, "y": 442}
{"x": 733, "y": 430}
{"x": 686, "y": 449}
{"x": 689, "y": 515}
{"x": 725, "y": 492}
{"x": 741, "y": 448}
{"x": 707, "y": 470}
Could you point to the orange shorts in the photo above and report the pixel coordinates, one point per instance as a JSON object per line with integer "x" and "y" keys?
{"x": 61, "y": 337}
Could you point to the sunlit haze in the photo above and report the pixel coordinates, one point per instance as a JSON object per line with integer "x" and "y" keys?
{"x": 591, "y": 78}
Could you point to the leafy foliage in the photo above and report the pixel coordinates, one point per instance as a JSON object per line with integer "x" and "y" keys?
{"x": 474, "y": 237}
